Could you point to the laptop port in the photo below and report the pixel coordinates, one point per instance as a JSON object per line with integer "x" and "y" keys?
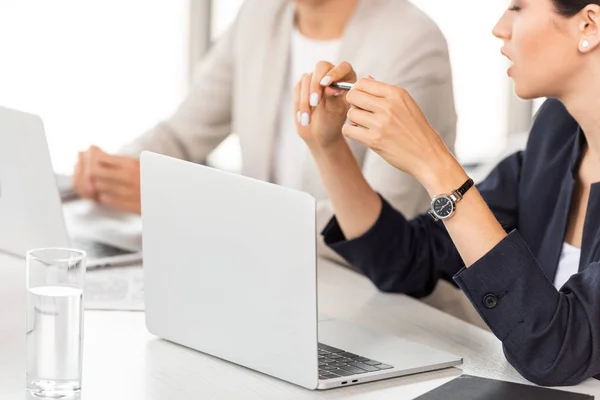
{"x": 343, "y": 383}
{"x": 354, "y": 381}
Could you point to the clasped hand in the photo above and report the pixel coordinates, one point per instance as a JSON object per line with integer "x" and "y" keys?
{"x": 108, "y": 179}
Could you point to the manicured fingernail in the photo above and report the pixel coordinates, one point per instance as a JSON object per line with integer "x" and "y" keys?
{"x": 299, "y": 116}
{"x": 325, "y": 81}
{"x": 337, "y": 94}
{"x": 314, "y": 99}
{"x": 305, "y": 119}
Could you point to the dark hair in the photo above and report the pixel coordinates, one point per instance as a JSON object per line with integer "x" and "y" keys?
{"x": 568, "y": 8}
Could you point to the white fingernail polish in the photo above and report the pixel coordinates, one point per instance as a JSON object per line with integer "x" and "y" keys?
{"x": 325, "y": 80}
{"x": 314, "y": 99}
{"x": 337, "y": 94}
{"x": 299, "y": 116}
{"x": 305, "y": 119}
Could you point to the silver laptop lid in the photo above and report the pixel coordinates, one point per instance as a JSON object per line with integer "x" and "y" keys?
{"x": 30, "y": 205}
{"x": 230, "y": 267}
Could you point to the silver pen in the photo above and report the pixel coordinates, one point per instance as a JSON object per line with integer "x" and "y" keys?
{"x": 342, "y": 85}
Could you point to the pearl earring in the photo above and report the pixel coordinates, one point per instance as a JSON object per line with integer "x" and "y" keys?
{"x": 585, "y": 44}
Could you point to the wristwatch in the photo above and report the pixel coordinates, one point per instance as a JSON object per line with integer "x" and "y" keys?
{"x": 444, "y": 205}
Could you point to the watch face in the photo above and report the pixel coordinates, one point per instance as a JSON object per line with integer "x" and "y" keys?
{"x": 442, "y": 207}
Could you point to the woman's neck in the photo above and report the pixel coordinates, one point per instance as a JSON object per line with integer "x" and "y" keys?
{"x": 325, "y": 20}
{"x": 584, "y": 105}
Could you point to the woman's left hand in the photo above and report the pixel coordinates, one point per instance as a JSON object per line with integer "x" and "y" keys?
{"x": 386, "y": 119}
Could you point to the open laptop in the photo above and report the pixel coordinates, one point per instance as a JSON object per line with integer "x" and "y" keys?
{"x": 230, "y": 269}
{"x": 31, "y": 214}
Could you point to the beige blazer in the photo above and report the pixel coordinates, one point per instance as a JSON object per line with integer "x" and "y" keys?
{"x": 239, "y": 83}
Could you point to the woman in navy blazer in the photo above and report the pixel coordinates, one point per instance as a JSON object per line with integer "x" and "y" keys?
{"x": 524, "y": 245}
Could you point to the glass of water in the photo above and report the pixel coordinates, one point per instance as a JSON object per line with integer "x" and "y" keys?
{"x": 55, "y": 280}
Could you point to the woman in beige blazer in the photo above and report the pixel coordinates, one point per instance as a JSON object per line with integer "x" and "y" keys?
{"x": 245, "y": 85}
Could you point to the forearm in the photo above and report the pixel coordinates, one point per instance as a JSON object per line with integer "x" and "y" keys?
{"x": 356, "y": 204}
{"x": 473, "y": 228}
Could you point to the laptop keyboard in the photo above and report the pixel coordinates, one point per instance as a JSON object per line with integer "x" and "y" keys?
{"x": 335, "y": 363}
{"x": 96, "y": 250}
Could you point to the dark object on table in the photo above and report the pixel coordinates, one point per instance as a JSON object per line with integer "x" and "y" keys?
{"x": 467, "y": 387}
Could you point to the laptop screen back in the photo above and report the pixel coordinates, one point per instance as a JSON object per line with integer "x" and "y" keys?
{"x": 30, "y": 205}
{"x": 230, "y": 267}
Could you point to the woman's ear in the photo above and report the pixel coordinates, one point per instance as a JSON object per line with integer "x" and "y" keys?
{"x": 589, "y": 28}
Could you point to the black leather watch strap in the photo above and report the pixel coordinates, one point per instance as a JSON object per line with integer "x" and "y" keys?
{"x": 460, "y": 192}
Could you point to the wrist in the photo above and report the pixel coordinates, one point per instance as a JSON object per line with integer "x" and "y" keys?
{"x": 442, "y": 176}
{"x": 328, "y": 147}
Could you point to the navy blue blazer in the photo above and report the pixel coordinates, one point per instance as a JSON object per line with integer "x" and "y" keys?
{"x": 551, "y": 337}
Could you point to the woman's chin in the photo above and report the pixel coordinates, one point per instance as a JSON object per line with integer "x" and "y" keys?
{"x": 525, "y": 92}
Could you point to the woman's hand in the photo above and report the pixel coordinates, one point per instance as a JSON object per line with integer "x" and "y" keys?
{"x": 386, "y": 119}
{"x": 108, "y": 179}
{"x": 320, "y": 111}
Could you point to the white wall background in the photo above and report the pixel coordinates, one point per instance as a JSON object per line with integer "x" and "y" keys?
{"x": 96, "y": 71}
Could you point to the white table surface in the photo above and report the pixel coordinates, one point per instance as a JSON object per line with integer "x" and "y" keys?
{"x": 123, "y": 361}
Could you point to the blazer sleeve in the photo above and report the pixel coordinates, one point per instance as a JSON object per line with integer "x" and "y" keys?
{"x": 409, "y": 256}
{"x": 551, "y": 337}
{"x": 203, "y": 119}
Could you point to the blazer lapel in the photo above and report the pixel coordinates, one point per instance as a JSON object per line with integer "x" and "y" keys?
{"x": 590, "y": 244}
{"x": 353, "y": 38}
{"x": 555, "y": 234}
{"x": 352, "y": 35}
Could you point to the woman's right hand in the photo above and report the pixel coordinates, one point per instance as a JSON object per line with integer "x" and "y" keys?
{"x": 319, "y": 110}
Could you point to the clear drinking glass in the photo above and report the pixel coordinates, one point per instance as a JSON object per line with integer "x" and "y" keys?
{"x": 55, "y": 280}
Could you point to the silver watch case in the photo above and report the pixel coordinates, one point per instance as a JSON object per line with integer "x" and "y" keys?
{"x": 452, "y": 198}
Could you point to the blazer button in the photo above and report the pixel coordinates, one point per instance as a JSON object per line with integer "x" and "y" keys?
{"x": 490, "y": 301}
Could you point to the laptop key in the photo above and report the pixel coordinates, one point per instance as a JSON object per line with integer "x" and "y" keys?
{"x": 329, "y": 348}
{"x": 384, "y": 366}
{"x": 354, "y": 370}
{"x": 338, "y": 364}
{"x": 341, "y": 372}
{"x": 327, "y": 367}
{"x": 371, "y": 362}
{"x": 349, "y": 355}
{"x": 323, "y": 352}
{"x": 334, "y": 356}
{"x": 368, "y": 368}
{"x": 361, "y": 359}
{"x": 327, "y": 360}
